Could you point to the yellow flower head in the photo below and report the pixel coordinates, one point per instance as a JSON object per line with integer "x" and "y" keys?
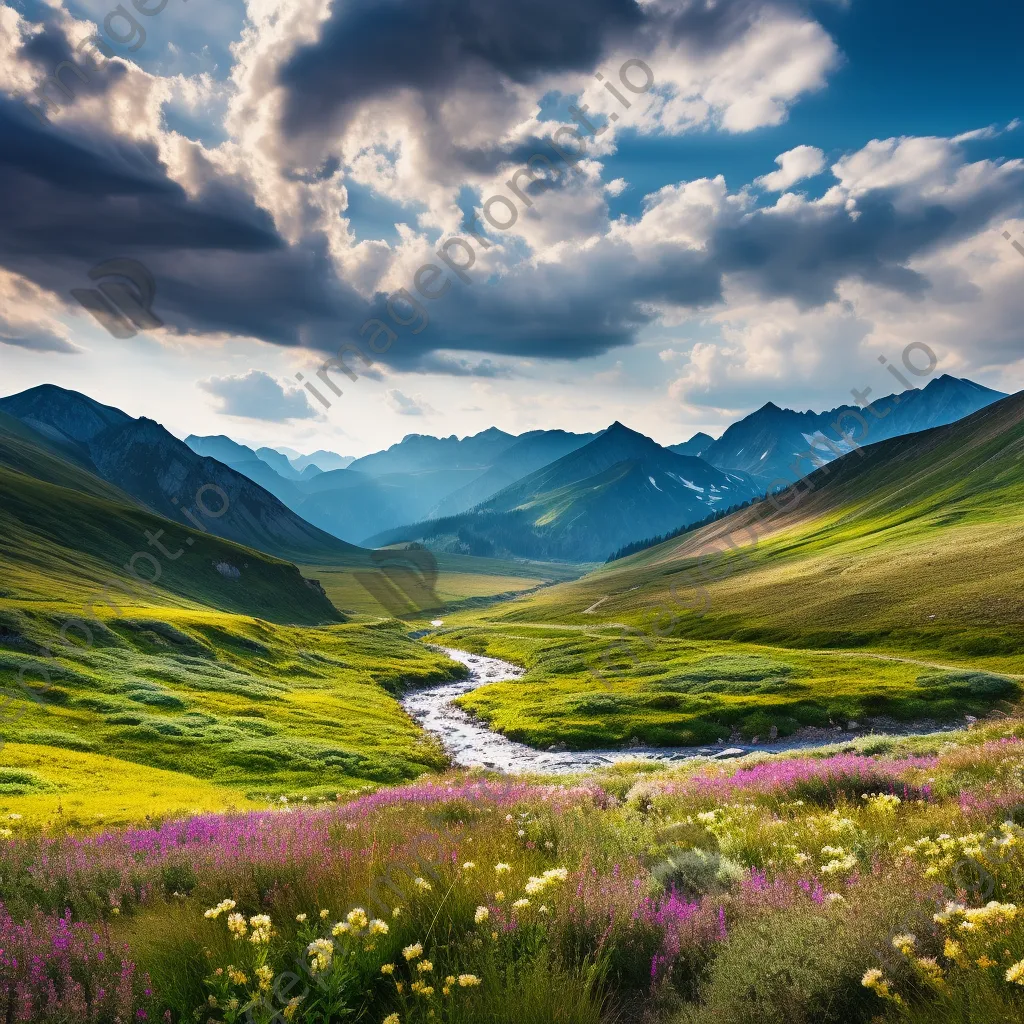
{"x": 413, "y": 951}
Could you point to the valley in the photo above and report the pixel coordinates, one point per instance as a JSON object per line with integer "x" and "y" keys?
{"x": 795, "y": 691}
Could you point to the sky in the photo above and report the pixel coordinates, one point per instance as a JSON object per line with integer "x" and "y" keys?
{"x": 331, "y": 224}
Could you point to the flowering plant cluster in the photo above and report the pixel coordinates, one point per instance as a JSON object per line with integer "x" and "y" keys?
{"x": 897, "y": 882}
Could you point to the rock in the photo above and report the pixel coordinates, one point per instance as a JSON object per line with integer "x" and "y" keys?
{"x": 852, "y": 725}
{"x": 754, "y": 742}
{"x": 773, "y": 733}
{"x": 729, "y": 752}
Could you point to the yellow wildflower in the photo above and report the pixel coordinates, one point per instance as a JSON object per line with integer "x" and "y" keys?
{"x": 468, "y": 980}
{"x": 1015, "y": 974}
{"x": 413, "y": 951}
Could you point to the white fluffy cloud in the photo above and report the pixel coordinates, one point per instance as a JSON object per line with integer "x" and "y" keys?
{"x": 794, "y": 165}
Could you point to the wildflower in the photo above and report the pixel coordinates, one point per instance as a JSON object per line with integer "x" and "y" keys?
{"x": 220, "y": 908}
{"x": 341, "y": 928}
{"x": 931, "y": 970}
{"x": 985, "y": 962}
{"x": 265, "y": 976}
{"x": 501, "y": 869}
{"x": 952, "y": 950}
{"x": 392, "y": 1018}
{"x": 237, "y": 977}
{"x": 520, "y": 904}
{"x": 499, "y": 896}
{"x": 422, "y": 884}
{"x": 413, "y": 951}
{"x": 357, "y": 918}
{"x": 424, "y": 966}
{"x": 481, "y": 915}
{"x": 236, "y": 925}
{"x": 468, "y": 980}
{"x": 875, "y": 980}
{"x": 450, "y": 980}
{"x": 550, "y": 877}
{"x": 322, "y": 953}
{"x": 261, "y": 929}
{"x": 469, "y": 865}
{"x": 396, "y": 911}
{"x": 324, "y": 915}
{"x": 1015, "y": 974}
{"x": 904, "y": 943}
{"x": 387, "y": 969}
{"x": 378, "y": 927}
{"x": 300, "y": 918}
{"x": 835, "y": 897}
{"x": 293, "y": 1004}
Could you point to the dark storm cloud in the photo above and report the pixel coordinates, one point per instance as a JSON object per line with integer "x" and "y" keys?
{"x": 69, "y": 200}
{"x": 371, "y": 48}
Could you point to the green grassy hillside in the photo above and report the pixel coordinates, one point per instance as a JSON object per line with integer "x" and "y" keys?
{"x": 892, "y": 588}
{"x": 68, "y": 537}
{"x": 912, "y": 544}
{"x": 231, "y": 674}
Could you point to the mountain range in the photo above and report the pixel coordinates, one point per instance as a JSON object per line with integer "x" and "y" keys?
{"x": 66, "y": 530}
{"x": 545, "y": 494}
{"x": 165, "y": 476}
{"x": 580, "y": 507}
{"x": 783, "y": 445}
{"x": 912, "y": 543}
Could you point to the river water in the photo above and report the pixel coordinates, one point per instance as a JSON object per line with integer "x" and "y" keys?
{"x": 470, "y": 743}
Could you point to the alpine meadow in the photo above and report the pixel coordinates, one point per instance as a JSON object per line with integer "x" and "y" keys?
{"x": 511, "y": 514}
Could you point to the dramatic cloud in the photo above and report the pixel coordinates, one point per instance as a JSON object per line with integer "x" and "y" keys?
{"x": 258, "y": 396}
{"x": 434, "y": 106}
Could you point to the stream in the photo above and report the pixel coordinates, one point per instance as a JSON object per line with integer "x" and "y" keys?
{"x": 470, "y": 743}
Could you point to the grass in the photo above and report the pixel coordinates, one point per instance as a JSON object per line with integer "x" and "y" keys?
{"x": 602, "y": 688}
{"x": 249, "y": 706}
{"x": 462, "y": 580}
{"x": 60, "y": 788}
